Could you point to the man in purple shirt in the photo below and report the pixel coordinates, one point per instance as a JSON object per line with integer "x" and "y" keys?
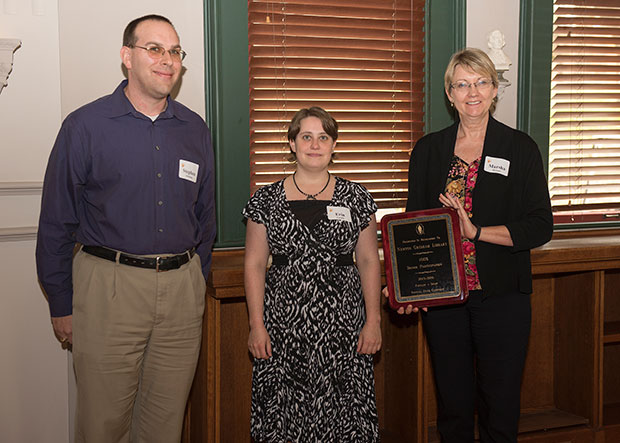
{"x": 130, "y": 180}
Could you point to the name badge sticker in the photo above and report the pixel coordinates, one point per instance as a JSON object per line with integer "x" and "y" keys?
{"x": 496, "y": 165}
{"x": 188, "y": 170}
{"x": 339, "y": 213}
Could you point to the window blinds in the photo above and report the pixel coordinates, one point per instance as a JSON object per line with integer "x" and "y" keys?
{"x": 584, "y": 152}
{"x": 362, "y": 61}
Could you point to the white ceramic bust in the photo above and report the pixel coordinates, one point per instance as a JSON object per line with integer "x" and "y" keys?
{"x": 496, "y": 42}
{"x": 7, "y": 47}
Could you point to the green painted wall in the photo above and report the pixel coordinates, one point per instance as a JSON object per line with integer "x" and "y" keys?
{"x": 534, "y": 84}
{"x": 445, "y": 30}
{"x": 227, "y": 104}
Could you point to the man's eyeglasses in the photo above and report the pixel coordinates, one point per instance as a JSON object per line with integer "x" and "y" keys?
{"x": 157, "y": 52}
{"x": 481, "y": 85}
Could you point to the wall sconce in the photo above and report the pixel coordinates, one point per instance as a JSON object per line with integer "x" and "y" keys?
{"x": 7, "y": 48}
{"x": 496, "y": 42}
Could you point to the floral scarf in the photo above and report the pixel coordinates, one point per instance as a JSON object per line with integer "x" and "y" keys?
{"x": 460, "y": 183}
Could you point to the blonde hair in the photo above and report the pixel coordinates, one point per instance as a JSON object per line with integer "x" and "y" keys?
{"x": 475, "y": 60}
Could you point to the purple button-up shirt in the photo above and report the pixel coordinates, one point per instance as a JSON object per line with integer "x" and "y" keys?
{"x": 115, "y": 178}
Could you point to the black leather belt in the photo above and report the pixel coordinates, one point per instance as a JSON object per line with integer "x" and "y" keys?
{"x": 283, "y": 260}
{"x": 160, "y": 264}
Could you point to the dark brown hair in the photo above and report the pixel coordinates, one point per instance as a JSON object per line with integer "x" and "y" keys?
{"x": 330, "y": 126}
{"x": 129, "y": 35}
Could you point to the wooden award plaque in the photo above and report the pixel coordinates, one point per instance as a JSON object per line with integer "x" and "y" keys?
{"x": 423, "y": 258}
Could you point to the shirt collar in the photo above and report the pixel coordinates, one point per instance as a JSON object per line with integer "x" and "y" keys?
{"x": 118, "y": 104}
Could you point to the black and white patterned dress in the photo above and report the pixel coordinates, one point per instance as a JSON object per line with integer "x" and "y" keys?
{"x": 315, "y": 387}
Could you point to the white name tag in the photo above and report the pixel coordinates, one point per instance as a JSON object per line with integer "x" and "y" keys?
{"x": 338, "y": 213}
{"x": 188, "y": 170}
{"x": 496, "y": 165}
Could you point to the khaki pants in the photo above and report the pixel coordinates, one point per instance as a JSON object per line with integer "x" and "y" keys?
{"x": 136, "y": 339}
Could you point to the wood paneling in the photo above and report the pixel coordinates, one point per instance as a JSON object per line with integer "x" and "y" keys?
{"x": 570, "y": 390}
{"x": 537, "y": 382}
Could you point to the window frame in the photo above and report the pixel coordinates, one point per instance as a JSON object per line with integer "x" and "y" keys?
{"x": 227, "y": 97}
{"x": 534, "y": 86}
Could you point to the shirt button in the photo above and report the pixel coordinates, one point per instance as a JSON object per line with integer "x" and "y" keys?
{"x": 160, "y": 230}
{"x": 159, "y": 175}
{"x": 160, "y": 202}
{"x": 157, "y": 147}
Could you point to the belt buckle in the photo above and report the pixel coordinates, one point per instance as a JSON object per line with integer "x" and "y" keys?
{"x": 157, "y": 262}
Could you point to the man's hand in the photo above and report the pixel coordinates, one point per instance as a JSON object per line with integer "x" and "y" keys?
{"x": 63, "y": 328}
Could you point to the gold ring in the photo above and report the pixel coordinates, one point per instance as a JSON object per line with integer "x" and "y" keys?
{"x": 62, "y": 340}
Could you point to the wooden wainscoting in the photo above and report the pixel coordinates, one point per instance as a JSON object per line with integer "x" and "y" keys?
{"x": 571, "y": 384}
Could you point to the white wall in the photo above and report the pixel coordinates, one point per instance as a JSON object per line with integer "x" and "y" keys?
{"x": 33, "y": 369}
{"x": 484, "y": 16}
{"x": 91, "y": 38}
{"x": 69, "y": 56}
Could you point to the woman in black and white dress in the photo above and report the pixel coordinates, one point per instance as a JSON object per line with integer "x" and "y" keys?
{"x": 314, "y": 316}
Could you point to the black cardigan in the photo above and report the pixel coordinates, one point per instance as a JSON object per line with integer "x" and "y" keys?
{"x": 520, "y": 200}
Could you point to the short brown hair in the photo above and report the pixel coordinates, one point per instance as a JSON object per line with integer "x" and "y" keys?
{"x": 475, "y": 60}
{"x": 129, "y": 35}
{"x": 330, "y": 126}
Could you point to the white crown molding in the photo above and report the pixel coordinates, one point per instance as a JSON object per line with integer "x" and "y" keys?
{"x": 7, "y": 48}
{"x": 21, "y": 188}
{"x": 22, "y": 233}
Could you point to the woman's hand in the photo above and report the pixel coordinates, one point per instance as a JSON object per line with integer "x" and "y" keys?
{"x": 468, "y": 229}
{"x": 259, "y": 342}
{"x": 369, "y": 341}
{"x": 402, "y": 310}
{"x": 498, "y": 235}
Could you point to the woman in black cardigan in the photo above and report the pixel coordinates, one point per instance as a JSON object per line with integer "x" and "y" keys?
{"x": 493, "y": 176}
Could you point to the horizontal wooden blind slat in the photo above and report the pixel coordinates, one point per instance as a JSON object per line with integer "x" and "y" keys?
{"x": 393, "y": 178}
{"x": 562, "y": 50}
{"x": 585, "y": 107}
{"x": 563, "y": 11}
{"x": 577, "y": 59}
{"x": 585, "y": 133}
{"x": 583, "y": 21}
{"x": 346, "y": 141}
{"x": 587, "y": 4}
{"x": 276, "y": 53}
{"x": 337, "y": 65}
{"x": 581, "y": 41}
{"x": 585, "y": 88}
{"x": 584, "y": 125}
{"x": 332, "y": 84}
{"x": 587, "y": 69}
{"x": 354, "y": 127}
{"x": 277, "y": 23}
{"x": 403, "y": 5}
{"x": 584, "y": 31}
{"x": 339, "y": 74}
{"x": 329, "y": 42}
{"x": 283, "y": 116}
{"x": 338, "y": 35}
{"x": 391, "y": 153}
{"x": 338, "y": 169}
{"x": 581, "y": 97}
